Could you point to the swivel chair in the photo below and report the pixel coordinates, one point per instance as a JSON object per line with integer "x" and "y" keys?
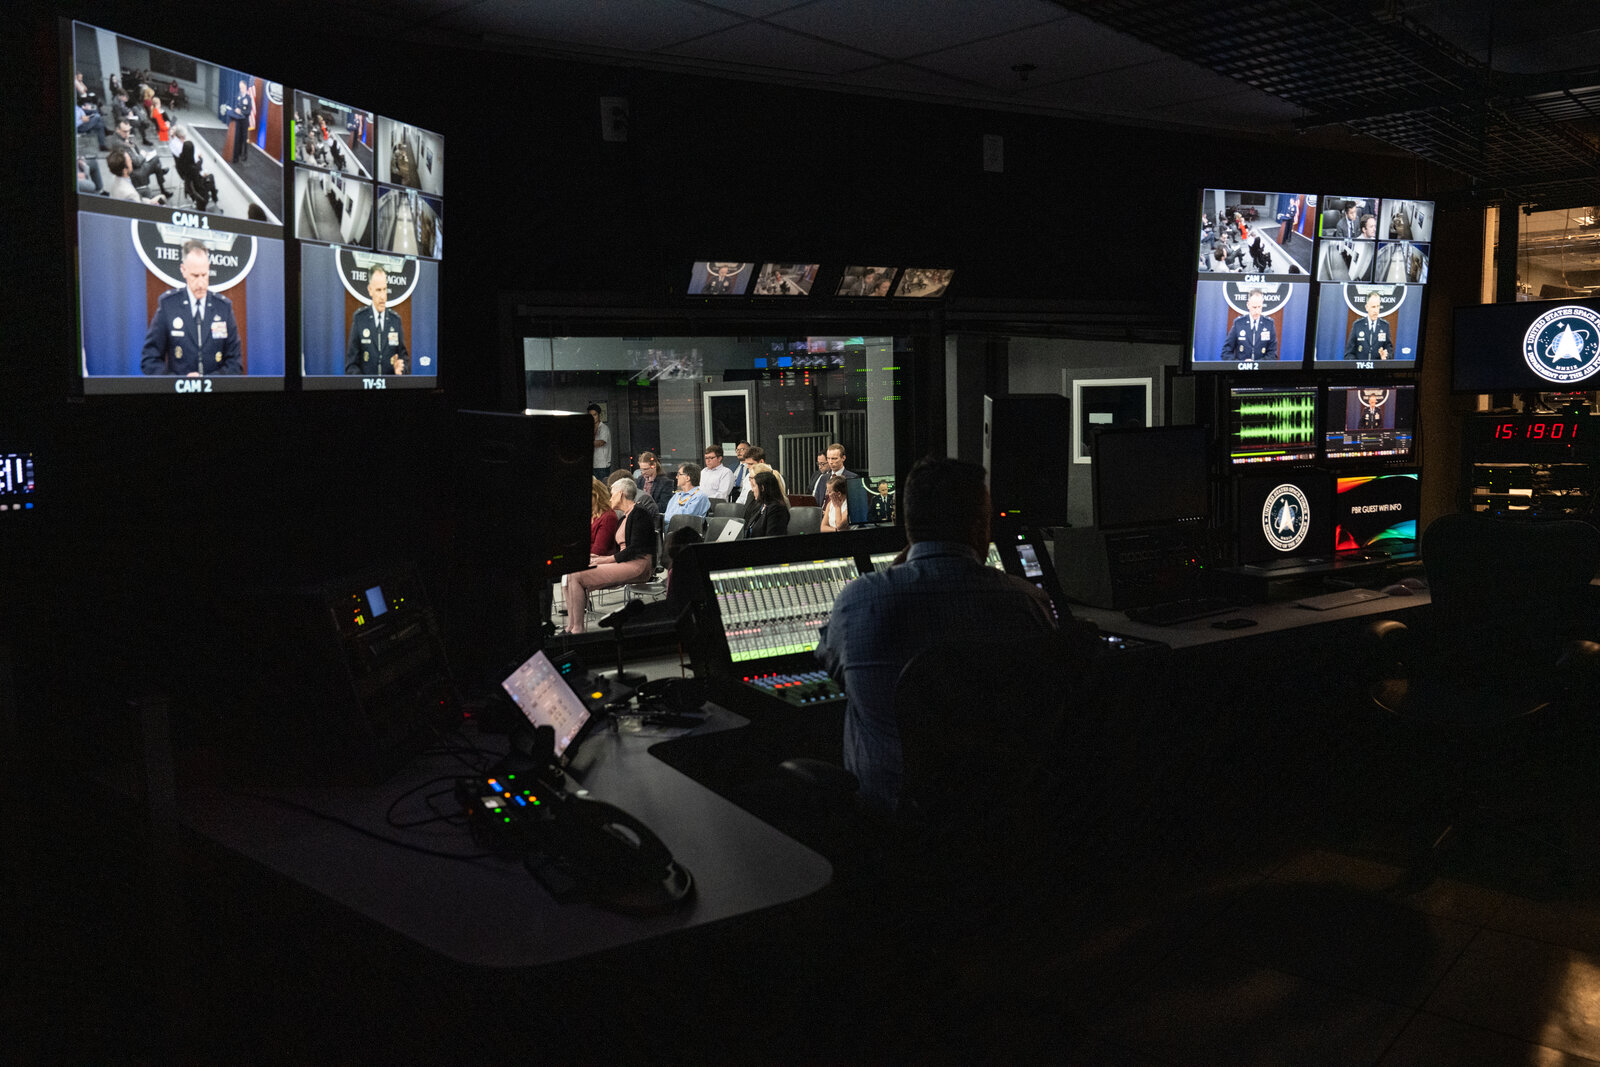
{"x": 1503, "y": 652}
{"x": 805, "y": 520}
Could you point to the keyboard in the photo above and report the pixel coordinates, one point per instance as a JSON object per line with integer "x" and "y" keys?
{"x": 1341, "y": 598}
{"x": 1176, "y": 611}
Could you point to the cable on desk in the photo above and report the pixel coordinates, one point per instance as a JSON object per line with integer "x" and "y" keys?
{"x": 388, "y": 816}
{"x": 362, "y": 830}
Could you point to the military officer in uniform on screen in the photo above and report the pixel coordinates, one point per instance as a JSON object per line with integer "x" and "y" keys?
{"x": 1370, "y": 337}
{"x": 193, "y": 333}
{"x": 1251, "y": 337}
{"x": 377, "y": 342}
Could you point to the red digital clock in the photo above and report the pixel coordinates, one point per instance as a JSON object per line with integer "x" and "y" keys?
{"x": 1536, "y": 429}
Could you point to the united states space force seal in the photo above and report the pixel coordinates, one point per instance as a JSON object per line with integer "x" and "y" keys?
{"x": 1563, "y": 344}
{"x": 1286, "y": 517}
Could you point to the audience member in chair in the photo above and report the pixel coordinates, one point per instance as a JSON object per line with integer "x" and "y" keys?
{"x": 121, "y": 187}
{"x": 603, "y": 522}
{"x": 632, "y": 562}
{"x": 836, "y": 511}
{"x": 201, "y": 186}
{"x": 654, "y": 481}
{"x": 941, "y": 592}
{"x": 688, "y": 500}
{"x": 643, "y": 499}
{"x": 770, "y": 514}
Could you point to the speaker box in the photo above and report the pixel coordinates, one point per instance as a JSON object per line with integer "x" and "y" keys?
{"x": 1027, "y": 448}
{"x": 522, "y": 489}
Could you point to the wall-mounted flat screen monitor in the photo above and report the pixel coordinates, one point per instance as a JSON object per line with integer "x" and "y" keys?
{"x": 1272, "y": 424}
{"x": 785, "y": 279}
{"x": 1252, "y": 279}
{"x": 1150, "y": 475}
{"x": 717, "y": 278}
{"x": 368, "y": 320}
{"x": 1372, "y": 272}
{"x": 177, "y": 167}
{"x": 924, "y": 283}
{"x": 1376, "y": 511}
{"x": 1368, "y": 325}
{"x": 1283, "y": 517}
{"x": 866, "y": 281}
{"x": 1370, "y": 421}
{"x": 1545, "y": 346}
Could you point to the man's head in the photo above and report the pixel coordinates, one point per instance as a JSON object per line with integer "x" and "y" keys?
{"x": 836, "y": 457}
{"x": 822, "y": 462}
{"x": 713, "y": 457}
{"x": 688, "y": 475}
{"x": 124, "y": 129}
{"x": 1369, "y": 226}
{"x": 180, "y": 134}
{"x": 122, "y": 94}
{"x": 741, "y": 448}
{"x": 945, "y": 499}
{"x": 755, "y": 454}
{"x": 1374, "y": 302}
{"x": 378, "y": 289}
{"x": 196, "y": 268}
{"x": 1350, "y": 212}
{"x": 118, "y": 163}
{"x": 594, "y": 413}
{"x": 1253, "y": 303}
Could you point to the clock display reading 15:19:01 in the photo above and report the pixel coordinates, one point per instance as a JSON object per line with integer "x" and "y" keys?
{"x": 1540, "y": 430}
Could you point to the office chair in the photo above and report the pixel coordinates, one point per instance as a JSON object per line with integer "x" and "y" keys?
{"x": 1503, "y": 652}
{"x": 726, "y": 509}
{"x": 805, "y": 520}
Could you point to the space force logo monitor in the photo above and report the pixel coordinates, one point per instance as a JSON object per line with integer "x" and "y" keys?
{"x": 1286, "y": 517}
{"x": 1563, "y": 344}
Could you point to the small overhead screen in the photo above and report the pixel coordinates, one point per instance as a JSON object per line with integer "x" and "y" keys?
{"x": 1252, "y": 280}
{"x": 866, "y": 281}
{"x": 1150, "y": 475}
{"x": 1272, "y": 424}
{"x": 1519, "y": 347}
{"x": 924, "y": 282}
{"x": 177, "y": 169}
{"x": 1376, "y": 421}
{"x": 1376, "y": 511}
{"x": 720, "y": 278}
{"x": 785, "y": 279}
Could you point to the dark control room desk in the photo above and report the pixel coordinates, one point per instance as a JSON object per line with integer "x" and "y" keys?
{"x": 1275, "y": 618}
{"x": 491, "y": 913}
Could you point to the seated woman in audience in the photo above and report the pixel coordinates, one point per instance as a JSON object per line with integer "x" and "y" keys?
{"x": 603, "y": 522}
{"x": 153, "y": 105}
{"x": 835, "y": 512}
{"x": 632, "y": 562}
{"x": 770, "y": 516}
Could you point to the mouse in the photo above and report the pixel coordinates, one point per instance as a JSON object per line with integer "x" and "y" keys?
{"x": 1413, "y": 583}
{"x": 1398, "y": 589}
{"x": 1233, "y": 624}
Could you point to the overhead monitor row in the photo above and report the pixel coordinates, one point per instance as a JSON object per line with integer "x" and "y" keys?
{"x": 188, "y": 222}
{"x": 1282, "y": 278}
{"x": 719, "y": 279}
{"x": 1373, "y": 423}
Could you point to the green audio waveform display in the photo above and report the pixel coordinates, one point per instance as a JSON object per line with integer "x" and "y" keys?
{"x": 1282, "y": 418}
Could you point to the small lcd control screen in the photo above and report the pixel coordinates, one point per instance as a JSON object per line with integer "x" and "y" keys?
{"x": 16, "y": 481}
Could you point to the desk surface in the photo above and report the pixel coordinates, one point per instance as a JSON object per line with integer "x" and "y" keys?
{"x": 1269, "y": 618}
{"x": 489, "y": 912}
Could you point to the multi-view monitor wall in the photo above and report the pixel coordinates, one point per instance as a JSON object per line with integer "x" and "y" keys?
{"x": 1282, "y": 278}
{"x": 717, "y": 278}
{"x": 185, "y": 210}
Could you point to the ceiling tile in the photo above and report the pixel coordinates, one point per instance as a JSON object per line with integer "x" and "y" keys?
{"x": 901, "y": 28}
{"x": 755, "y": 44}
{"x": 755, "y": 8}
{"x": 902, "y": 78}
{"x": 1066, "y": 48}
{"x": 624, "y": 25}
{"x": 1160, "y": 83}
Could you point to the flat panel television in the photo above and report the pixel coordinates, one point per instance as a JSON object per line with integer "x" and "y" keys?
{"x": 1376, "y": 421}
{"x": 1252, "y": 280}
{"x": 1376, "y": 511}
{"x": 1272, "y": 424}
{"x": 1544, "y": 346}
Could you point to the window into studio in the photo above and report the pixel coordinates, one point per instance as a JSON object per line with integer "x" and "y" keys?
{"x": 673, "y": 396}
{"x": 1558, "y": 254}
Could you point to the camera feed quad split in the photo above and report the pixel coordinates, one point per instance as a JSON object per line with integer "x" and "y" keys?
{"x": 193, "y": 135}
{"x": 1252, "y": 279}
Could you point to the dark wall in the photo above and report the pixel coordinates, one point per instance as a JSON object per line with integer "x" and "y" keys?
{"x": 535, "y": 200}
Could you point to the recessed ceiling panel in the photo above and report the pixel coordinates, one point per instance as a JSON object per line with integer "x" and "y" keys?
{"x": 1057, "y": 50}
{"x": 755, "y": 44}
{"x": 901, "y": 28}
{"x": 613, "y": 25}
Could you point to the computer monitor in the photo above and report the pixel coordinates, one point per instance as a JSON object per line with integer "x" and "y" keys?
{"x": 1272, "y": 424}
{"x": 1523, "y": 347}
{"x": 1155, "y": 474}
{"x": 1376, "y": 511}
{"x": 1370, "y": 422}
{"x": 717, "y": 278}
{"x": 1252, "y": 280}
{"x": 1283, "y": 517}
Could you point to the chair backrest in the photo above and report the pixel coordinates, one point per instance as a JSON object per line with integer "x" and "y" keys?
{"x": 807, "y": 520}
{"x": 676, "y": 523}
{"x": 1506, "y": 590}
{"x": 727, "y": 510}
{"x": 715, "y": 525}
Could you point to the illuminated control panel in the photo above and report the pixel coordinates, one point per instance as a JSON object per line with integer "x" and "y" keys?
{"x": 801, "y": 690}
{"x": 778, "y": 609}
{"x": 16, "y": 481}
